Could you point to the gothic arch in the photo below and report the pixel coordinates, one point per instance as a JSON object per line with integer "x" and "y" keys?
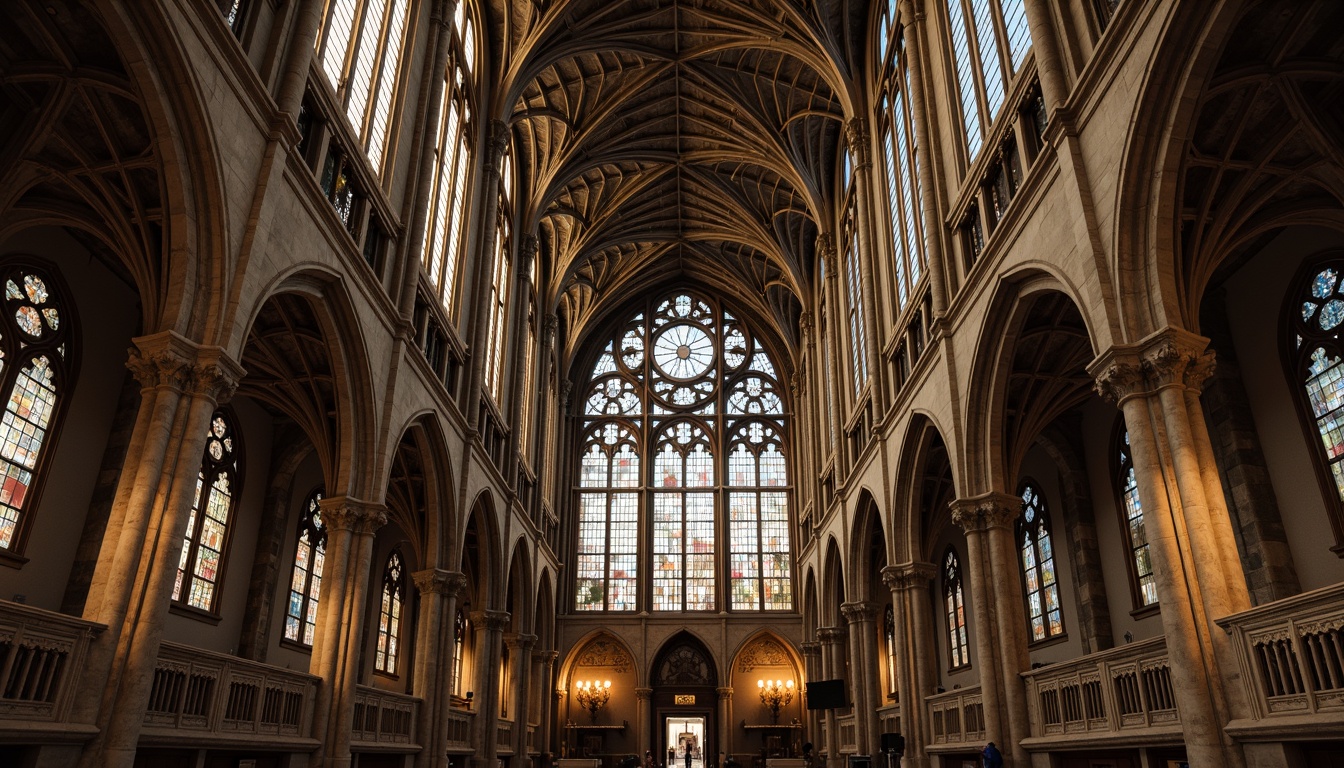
{"x": 868, "y": 525}
{"x": 922, "y": 449}
{"x": 480, "y": 552}
{"x": 833, "y": 592}
{"x": 423, "y": 433}
{"x": 678, "y": 661}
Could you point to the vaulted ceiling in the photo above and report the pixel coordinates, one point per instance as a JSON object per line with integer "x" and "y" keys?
{"x": 666, "y": 140}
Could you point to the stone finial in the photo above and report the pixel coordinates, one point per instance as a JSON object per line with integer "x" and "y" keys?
{"x": 342, "y": 513}
{"x": 991, "y": 510}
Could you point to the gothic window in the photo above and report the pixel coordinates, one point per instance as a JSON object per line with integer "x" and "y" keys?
{"x": 360, "y": 50}
{"x": 305, "y": 582}
{"x": 460, "y": 631}
{"x": 889, "y": 635}
{"x": 388, "y": 651}
{"x": 1315, "y": 313}
{"x": 954, "y": 609}
{"x": 445, "y": 221}
{"x": 686, "y": 384}
{"x": 36, "y": 371}
{"x": 499, "y": 287}
{"x": 217, "y": 485}
{"x": 1044, "y": 615}
{"x": 990, "y": 40}
{"x": 1144, "y": 584}
{"x": 235, "y": 14}
{"x": 900, "y": 162}
{"x": 858, "y": 331}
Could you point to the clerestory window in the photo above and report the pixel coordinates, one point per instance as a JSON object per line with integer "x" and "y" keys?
{"x": 990, "y": 40}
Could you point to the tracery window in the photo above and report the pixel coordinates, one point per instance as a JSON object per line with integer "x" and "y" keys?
{"x": 990, "y": 40}
{"x": 388, "y": 650}
{"x": 1144, "y": 584}
{"x": 217, "y": 485}
{"x": 36, "y": 370}
{"x": 900, "y": 162}
{"x": 686, "y": 383}
{"x": 461, "y": 628}
{"x": 499, "y": 286}
{"x": 889, "y": 635}
{"x": 1315, "y": 312}
{"x": 1044, "y": 615}
{"x": 445, "y": 222}
{"x": 954, "y": 609}
{"x": 305, "y": 582}
{"x": 360, "y": 49}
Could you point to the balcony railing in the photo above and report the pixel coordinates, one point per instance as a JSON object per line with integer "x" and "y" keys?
{"x": 889, "y": 718}
{"x": 1122, "y": 690}
{"x": 384, "y": 720}
{"x": 41, "y": 654}
{"x": 1291, "y": 654}
{"x": 459, "y": 731}
{"x": 532, "y": 739}
{"x": 199, "y": 696}
{"x": 849, "y": 739}
{"x": 504, "y": 737}
{"x": 957, "y": 717}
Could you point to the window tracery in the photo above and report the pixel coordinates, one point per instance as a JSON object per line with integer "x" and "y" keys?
{"x": 990, "y": 40}
{"x": 305, "y": 583}
{"x": 954, "y": 609}
{"x": 684, "y": 383}
{"x": 900, "y": 163}
{"x": 1044, "y": 614}
{"x": 388, "y": 650}
{"x": 203, "y": 547}
{"x": 1140, "y": 562}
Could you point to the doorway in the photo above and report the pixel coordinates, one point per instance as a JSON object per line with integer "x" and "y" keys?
{"x": 684, "y": 737}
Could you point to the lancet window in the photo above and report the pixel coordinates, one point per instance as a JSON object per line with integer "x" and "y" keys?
{"x": 954, "y": 610}
{"x": 388, "y": 650}
{"x": 305, "y": 582}
{"x": 900, "y": 164}
{"x": 1143, "y": 581}
{"x": 217, "y": 485}
{"x": 1045, "y": 617}
{"x": 990, "y": 40}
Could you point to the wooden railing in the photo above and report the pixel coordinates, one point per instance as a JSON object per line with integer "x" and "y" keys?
{"x": 459, "y": 731}
{"x": 1115, "y": 691}
{"x": 1291, "y": 654}
{"x": 957, "y": 717}
{"x": 384, "y": 719}
{"x": 849, "y": 737}
{"x": 198, "y": 694}
{"x": 41, "y": 654}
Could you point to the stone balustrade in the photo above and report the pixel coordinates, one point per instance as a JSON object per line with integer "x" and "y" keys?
{"x": 504, "y": 736}
{"x": 459, "y": 731}
{"x": 384, "y": 721}
{"x": 848, "y": 742}
{"x": 1116, "y": 696}
{"x": 1291, "y": 655}
{"x": 41, "y": 653}
{"x": 957, "y": 718}
{"x": 199, "y": 697}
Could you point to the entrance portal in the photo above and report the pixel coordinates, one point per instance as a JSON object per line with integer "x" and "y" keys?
{"x": 685, "y": 742}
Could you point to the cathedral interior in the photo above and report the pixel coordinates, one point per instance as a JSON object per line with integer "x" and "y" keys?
{"x": 671, "y": 383}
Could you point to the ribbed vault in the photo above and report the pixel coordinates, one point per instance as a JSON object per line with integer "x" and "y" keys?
{"x": 657, "y": 140}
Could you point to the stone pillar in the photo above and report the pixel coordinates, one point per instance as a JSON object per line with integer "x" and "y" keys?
{"x": 643, "y": 726}
{"x": 835, "y": 317}
{"x": 998, "y": 513}
{"x": 725, "y": 721}
{"x": 867, "y": 693}
{"x": 339, "y": 635}
{"x": 976, "y": 580}
{"x": 497, "y": 142}
{"x": 489, "y": 646}
{"x": 434, "y": 671}
{"x": 811, "y": 651}
{"x": 1156, "y": 383}
{"x": 520, "y": 650}
{"x": 860, "y": 149}
{"x": 833, "y": 664}
{"x": 916, "y": 652}
{"x": 1054, "y": 83}
{"x": 181, "y": 385}
{"x": 543, "y": 685}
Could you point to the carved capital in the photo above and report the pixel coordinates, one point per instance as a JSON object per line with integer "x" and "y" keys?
{"x": 1170, "y": 357}
{"x": 806, "y": 324}
{"x": 520, "y": 641}
{"x": 912, "y": 575}
{"x": 527, "y": 254}
{"x": 162, "y": 360}
{"x": 342, "y": 513}
{"x": 858, "y": 612}
{"x": 497, "y": 142}
{"x": 545, "y": 658}
{"x": 215, "y": 376}
{"x": 832, "y": 635}
{"x": 490, "y": 621}
{"x": 991, "y": 510}
{"x": 549, "y": 325}
{"x": 725, "y": 692}
{"x": 430, "y": 581}
{"x": 643, "y": 694}
{"x": 811, "y": 648}
{"x": 856, "y": 135}
{"x": 826, "y": 250}
{"x": 566, "y": 389}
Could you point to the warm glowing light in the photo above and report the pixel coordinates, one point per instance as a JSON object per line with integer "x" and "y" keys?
{"x": 775, "y": 694}
{"x": 593, "y": 695}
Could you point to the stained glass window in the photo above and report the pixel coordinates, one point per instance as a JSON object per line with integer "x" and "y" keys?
{"x": 360, "y": 49}
{"x": 305, "y": 582}
{"x": 35, "y": 333}
{"x": 990, "y": 40}
{"x": 678, "y": 381}
{"x": 1044, "y": 615}
{"x": 445, "y": 222}
{"x": 901, "y": 169}
{"x": 202, "y": 559}
{"x": 889, "y": 636}
{"x": 461, "y": 632}
{"x": 954, "y": 609}
{"x": 1145, "y": 584}
{"x": 388, "y": 650}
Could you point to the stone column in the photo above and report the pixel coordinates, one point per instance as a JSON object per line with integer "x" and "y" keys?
{"x": 339, "y": 635}
{"x": 916, "y": 653}
{"x": 1156, "y": 383}
{"x": 725, "y": 721}
{"x": 811, "y": 651}
{"x": 497, "y": 142}
{"x": 433, "y": 671}
{"x": 867, "y": 694}
{"x": 489, "y": 646}
{"x": 643, "y": 725}
{"x": 860, "y": 148}
{"x": 976, "y": 579}
{"x": 999, "y": 513}
{"x": 520, "y": 650}
{"x": 1054, "y": 83}
{"x": 181, "y": 385}
{"x": 543, "y": 686}
{"x": 832, "y": 659}
{"x": 835, "y": 318}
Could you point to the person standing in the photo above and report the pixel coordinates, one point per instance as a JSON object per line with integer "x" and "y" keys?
{"x": 990, "y": 757}
{"x": 688, "y": 755}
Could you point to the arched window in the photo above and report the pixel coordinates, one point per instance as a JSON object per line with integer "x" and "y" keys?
{"x": 461, "y": 629}
{"x": 990, "y": 40}
{"x": 305, "y": 583}
{"x": 1315, "y": 312}
{"x": 1044, "y": 614}
{"x": 388, "y": 651}
{"x": 1143, "y": 583}
{"x": 36, "y": 371}
{"x": 954, "y": 608}
{"x": 360, "y": 49}
{"x": 900, "y": 163}
{"x": 207, "y": 537}
{"x": 685, "y": 383}
{"x": 889, "y": 635}
{"x": 499, "y": 286}
{"x": 858, "y": 330}
{"x": 445, "y": 221}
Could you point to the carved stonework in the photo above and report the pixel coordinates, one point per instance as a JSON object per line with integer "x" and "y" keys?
{"x": 159, "y": 368}
{"x": 992, "y": 510}
{"x": 215, "y": 376}
{"x": 430, "y": 581}
{"x": 811, "y": 649}
{"x": 605, "y": 653}
{"x": 490, "y": 621}
{"x": 858, "y": 612}
{"x": 520, "y": 642}
{"x": 765, "y": 652}
{"x": 832, "y": 635}
{"x": 496, "y": 144}
{"x": 911, "y": 575}
{"x": 685, "y": 666}
{"x": 1172, "y": 357}
{"x": 527, "y": 253}
{"x": 342, "y": 513}
{"x": 856, "y": 134}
